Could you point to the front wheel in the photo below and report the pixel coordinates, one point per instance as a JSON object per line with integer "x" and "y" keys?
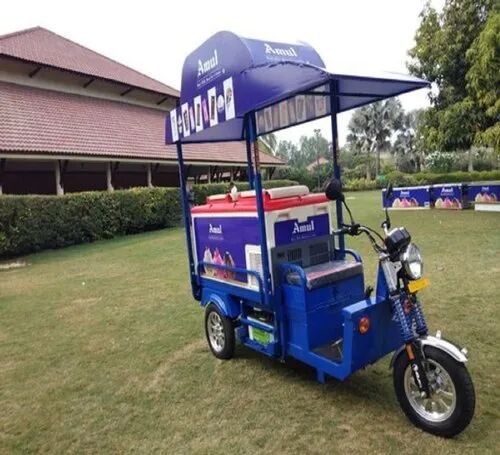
{"x": 450, "y": 407}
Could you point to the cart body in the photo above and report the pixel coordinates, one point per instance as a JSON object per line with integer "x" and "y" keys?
{"x": 268, "y": 259}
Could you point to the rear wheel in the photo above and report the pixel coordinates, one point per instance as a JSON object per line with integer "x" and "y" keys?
{"x": 220, "y": 332}
{"x": 450, "y": 407}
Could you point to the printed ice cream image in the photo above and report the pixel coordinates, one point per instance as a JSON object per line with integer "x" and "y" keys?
{"x": 310, "y": 109}
{"x": 229, "y": 98}
{"x": 218, "y": 260}
{"x": 448, "y": 203}
{"x": 228, "y": 261}
{"x": 291, "y": 110}
{"x": 283, "y": 114}
{"x": 191, "y": 118}
{"x": 220, "y": 103}
{"x": 320, "y": 102}
{"x": 485, "y": 198}
{"x": 276, "y": 116}
{"x": 207, "y": 257}
{"x": 300, "y": 104}
{"x": 404, "y": 203}
{"x": 268, "y": 118}
{"x": 205, "y": 110}
{"x": 261, "y": 122}
{"x": 185, "y": 119}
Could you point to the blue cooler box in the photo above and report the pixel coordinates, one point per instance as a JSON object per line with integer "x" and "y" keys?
{"x": 412, "y": 197}
{"x": 450, "y": 196}
{"x": 484, "y": 192}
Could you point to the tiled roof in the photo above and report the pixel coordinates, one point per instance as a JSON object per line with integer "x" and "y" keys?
{"x": 42, "y": 46}
{"x": 34, "y": 120}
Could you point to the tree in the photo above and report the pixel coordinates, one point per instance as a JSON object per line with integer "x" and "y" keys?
{"x": 286, "y": 150}
{"x": 270, "y": 142}
{"x": 483, "y": 79}
{"x": 313, "y": 147}
{"x": 371, "y": 128}
{"x": 409, "y": 156}
{"x": 440, "y": 56}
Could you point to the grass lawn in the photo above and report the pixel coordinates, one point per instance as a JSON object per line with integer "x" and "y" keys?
{"x": 102, "y": 349}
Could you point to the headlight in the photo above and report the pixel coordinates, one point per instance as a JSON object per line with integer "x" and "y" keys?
{"x": 412, "y": 262}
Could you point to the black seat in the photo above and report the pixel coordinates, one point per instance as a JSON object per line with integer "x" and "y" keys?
{"x": 326, "y": 273}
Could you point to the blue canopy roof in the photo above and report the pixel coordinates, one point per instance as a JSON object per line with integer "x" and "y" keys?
{"x": 285, "y": 84}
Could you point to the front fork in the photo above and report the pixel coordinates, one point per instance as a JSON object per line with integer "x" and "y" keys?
{"x": 411, "y": 321}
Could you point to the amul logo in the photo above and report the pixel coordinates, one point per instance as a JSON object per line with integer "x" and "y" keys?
{"x": 302, "y": 228}
{"x": 215, "y": 229}
{"x": 208, "y": 65}
{"x": 280, "y": 51}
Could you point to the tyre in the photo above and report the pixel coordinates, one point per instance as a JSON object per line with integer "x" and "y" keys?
{"x": 220, "y": 332}
{"x": 450, "y": 408}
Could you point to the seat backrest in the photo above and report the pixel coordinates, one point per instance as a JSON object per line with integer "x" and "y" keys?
{"x": 304, "y": 253}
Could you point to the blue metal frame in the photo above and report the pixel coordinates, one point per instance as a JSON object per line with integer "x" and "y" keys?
{"x": 304, "y": 320}
{"x": 334, "y": 108}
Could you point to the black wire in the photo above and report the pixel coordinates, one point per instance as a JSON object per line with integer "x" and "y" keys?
{"x": 348, "y": 211}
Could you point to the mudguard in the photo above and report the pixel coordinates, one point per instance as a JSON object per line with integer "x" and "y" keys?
{"x": 459, "y": 354}
{"x": 224, "y": 302}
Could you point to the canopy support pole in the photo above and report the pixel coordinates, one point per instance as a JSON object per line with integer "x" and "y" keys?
{"x": 251, "y": 137}
{"x": 186, "y": 211}
{"x": 334, "y": 108}
{"x": 249, "y": 152}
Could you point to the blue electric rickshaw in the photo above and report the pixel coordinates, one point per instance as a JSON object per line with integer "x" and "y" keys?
{"x": 268, "y": 266}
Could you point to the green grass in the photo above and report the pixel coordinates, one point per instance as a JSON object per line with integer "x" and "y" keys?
{"x": 102, "y": 350}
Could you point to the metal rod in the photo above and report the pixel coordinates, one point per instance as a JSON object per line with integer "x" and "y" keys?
{"x": 252, "y": 138}
{"x": 334, "y": 107}
{"x": 250, "y": 175}
{"x": 186, "y": 211}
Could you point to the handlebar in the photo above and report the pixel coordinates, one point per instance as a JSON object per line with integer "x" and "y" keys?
{"x": 356, "y": 229}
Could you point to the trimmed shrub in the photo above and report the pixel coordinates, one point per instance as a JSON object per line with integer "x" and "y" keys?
{"x": 361, "y": 185}
{"x": 34, "y": 223}
{"x": 398, "y": 178}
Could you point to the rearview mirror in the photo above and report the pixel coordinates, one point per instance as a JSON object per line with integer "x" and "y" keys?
{"x": 333, "y": 190}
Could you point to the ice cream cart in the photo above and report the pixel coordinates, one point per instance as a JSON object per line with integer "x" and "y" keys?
{"x": 271, "y": 267}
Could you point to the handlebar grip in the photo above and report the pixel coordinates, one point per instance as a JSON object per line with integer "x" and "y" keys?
{"x": 343, "y": 230}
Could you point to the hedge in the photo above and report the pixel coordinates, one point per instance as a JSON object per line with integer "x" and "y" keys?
{"x": 422, "y": 178}
{"x": 33, "y": 223}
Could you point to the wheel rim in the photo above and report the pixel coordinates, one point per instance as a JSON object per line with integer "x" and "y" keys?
{"x": 442, "y": 401}
{"x": 216, "y": 331}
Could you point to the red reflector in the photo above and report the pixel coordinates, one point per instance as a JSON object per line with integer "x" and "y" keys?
{"x": 364, "y": 325}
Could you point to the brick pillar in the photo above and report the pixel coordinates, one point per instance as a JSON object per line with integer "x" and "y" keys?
{"x": 57, "y": 174}
{"x": 2, "y": 171}
{"x": 149, "y": 175}
{"x": 109, "y": 177}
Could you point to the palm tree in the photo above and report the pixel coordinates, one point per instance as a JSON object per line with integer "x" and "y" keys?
{"x": 270, "y": 142}
{"x": 371, "y": 128}
{"x": 406, "y": 144}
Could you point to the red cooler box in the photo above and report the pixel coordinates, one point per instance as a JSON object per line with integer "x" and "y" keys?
{"x": 226, "y": 231}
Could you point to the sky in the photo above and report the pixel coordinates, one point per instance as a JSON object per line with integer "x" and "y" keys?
{"x": 154, "y": 37}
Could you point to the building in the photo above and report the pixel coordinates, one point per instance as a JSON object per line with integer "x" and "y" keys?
{"x": 74, "y": 120}
{"x": 321, "y": 161}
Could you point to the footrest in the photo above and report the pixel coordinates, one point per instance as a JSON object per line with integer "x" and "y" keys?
{"x": 331, "y": 351}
